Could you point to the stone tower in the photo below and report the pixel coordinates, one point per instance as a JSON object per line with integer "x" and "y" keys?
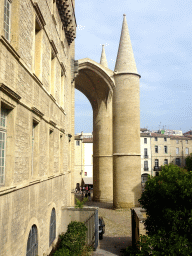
{"x": 126, "y": 126}
{"x": 103, "y": 60}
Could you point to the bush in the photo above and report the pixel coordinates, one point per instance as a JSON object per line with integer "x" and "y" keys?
{"x": 73, "y": 241}
{"x": 189, "y": 162}
{"x": 167, "y": 199}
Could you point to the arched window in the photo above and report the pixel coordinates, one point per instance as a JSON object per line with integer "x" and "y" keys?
{"x": 52, "y": 231}
{"x": 32, "y": 242}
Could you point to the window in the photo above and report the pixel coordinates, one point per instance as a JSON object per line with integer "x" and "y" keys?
{"x": 7, "y": 17}
{"x": 177, "y": 151}
{"x": 146, "y": 166}
{"x": 38, "y": 48}
{"x": 34, "y": 147}
{"x": 177, "y": 141}
{"x": 144, "y": 178}
{"x": 77, "y": 142}
{"x": 187, "y": 151}
{"x": 156, "y": 162}
{"x": 165, "y": 149}
{"x": 186, "y": 141}
{"x": 145, "y": 153}
{"x": 156, "y": 149}
{"x": 177, "y": 162}
{"x": 52, "y": 231}
{"x": 156, "y": 139}
{"x": 3, "y": 132}
{"x": 165, "y": 161}
{"x": 145, "y": 140}
{"x": 165, "y": 139}
{"x": 32, "y": 242}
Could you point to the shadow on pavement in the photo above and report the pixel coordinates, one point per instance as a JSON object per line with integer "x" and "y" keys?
{"x": 115, "y": 245}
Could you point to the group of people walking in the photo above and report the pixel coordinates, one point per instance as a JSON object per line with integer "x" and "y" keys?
{"x": 84, "y": 191}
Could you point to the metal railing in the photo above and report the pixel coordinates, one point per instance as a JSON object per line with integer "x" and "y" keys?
{"x": 92, "y": 230}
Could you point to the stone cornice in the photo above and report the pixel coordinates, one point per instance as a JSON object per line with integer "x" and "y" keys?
{"x": 9, "y": 47}
{"x": 9, "y": 92}
{"x": 52, "y": 123}
{"x": 37, "y": 112}
{"x": 39, "y": 15}
{"x": 53, "y": 47}
{"x": 125, "y": 73}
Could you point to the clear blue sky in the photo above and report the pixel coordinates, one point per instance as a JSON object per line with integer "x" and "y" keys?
{"x": 161, "y": 36}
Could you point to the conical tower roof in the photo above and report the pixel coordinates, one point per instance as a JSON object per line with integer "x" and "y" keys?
{"x": 125, "y": 61}
{"x": 103, "y": 60}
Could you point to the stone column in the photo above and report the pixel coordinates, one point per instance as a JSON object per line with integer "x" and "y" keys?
{"x": 102, "y": 153}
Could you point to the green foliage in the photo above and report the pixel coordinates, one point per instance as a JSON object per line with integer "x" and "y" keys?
{"x": 189, "y": 162}
{"x": 72, "y": 243}
{"x": 167, "y": 199}
{"x": 80, "y": 204}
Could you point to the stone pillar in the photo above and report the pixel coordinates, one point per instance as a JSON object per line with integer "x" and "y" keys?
{"x": 102, "y": 153}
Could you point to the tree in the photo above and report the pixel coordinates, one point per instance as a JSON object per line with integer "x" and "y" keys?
{"x": 189, "y": 162}
{"x": 167, "y": 199}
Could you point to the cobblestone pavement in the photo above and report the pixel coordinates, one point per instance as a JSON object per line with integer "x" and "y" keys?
{"x": 117, "y": 229}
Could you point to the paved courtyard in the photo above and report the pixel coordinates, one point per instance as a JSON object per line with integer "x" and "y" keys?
{"x": 117, "y": 229}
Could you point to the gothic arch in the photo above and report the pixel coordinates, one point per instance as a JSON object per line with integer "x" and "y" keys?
{"x": 97, "y": 83}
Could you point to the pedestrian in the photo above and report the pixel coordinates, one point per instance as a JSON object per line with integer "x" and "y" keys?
{"x": 86, "y": 194}
{"x": 89, "y": 195}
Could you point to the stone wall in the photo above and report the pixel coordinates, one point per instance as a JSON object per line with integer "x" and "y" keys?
{"x": 37, "y": 90}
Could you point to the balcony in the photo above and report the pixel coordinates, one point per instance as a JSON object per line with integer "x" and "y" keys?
{"x": 157, "y": 168}
{"x": 146, "y": 156}
{"x": 146, "y": 169}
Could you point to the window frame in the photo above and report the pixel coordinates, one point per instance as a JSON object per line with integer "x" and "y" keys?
{"x": 7, "y": 37}
{"x": 145, "y": 140}
{"x": 156, "y": 139}
{"x": 165, "y": 138}
{"x": 3, "y": 130}
{"x": 77, "y": 142}
{"x": 156, "y": 149}
{"x": 145, "y": 152}
{"x": 178, "y": 161}
{"x": 187, "y": 151}
{"x": 165, "y": 161}
{"x": 32, "y": 241}
{"x": 165, "y": 149}
{"x": 177, "y": 151}
{"x": 52, "y": 227}
{"x": 146, "y": 166}
{"x": 156, "y": 162}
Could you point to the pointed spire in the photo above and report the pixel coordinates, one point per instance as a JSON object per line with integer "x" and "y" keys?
{"x": 103, "y": 60}
{"x": 125, "y": 61}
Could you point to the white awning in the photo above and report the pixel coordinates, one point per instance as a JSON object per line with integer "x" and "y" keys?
{"x": 88, "y": 180}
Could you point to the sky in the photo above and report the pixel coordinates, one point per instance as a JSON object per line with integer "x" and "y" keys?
{"x": 161, "y": 36}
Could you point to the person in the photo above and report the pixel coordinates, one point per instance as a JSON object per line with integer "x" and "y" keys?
{"x": 89, "y": 195}
{"x": 86, "y": 194}
{"x": 80, "y": 190}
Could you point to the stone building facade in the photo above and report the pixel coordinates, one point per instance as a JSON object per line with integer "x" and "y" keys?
{"x": 165, "y": 149}
{"x": 83, "y": 157}
{"x": 37, "y": 105}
